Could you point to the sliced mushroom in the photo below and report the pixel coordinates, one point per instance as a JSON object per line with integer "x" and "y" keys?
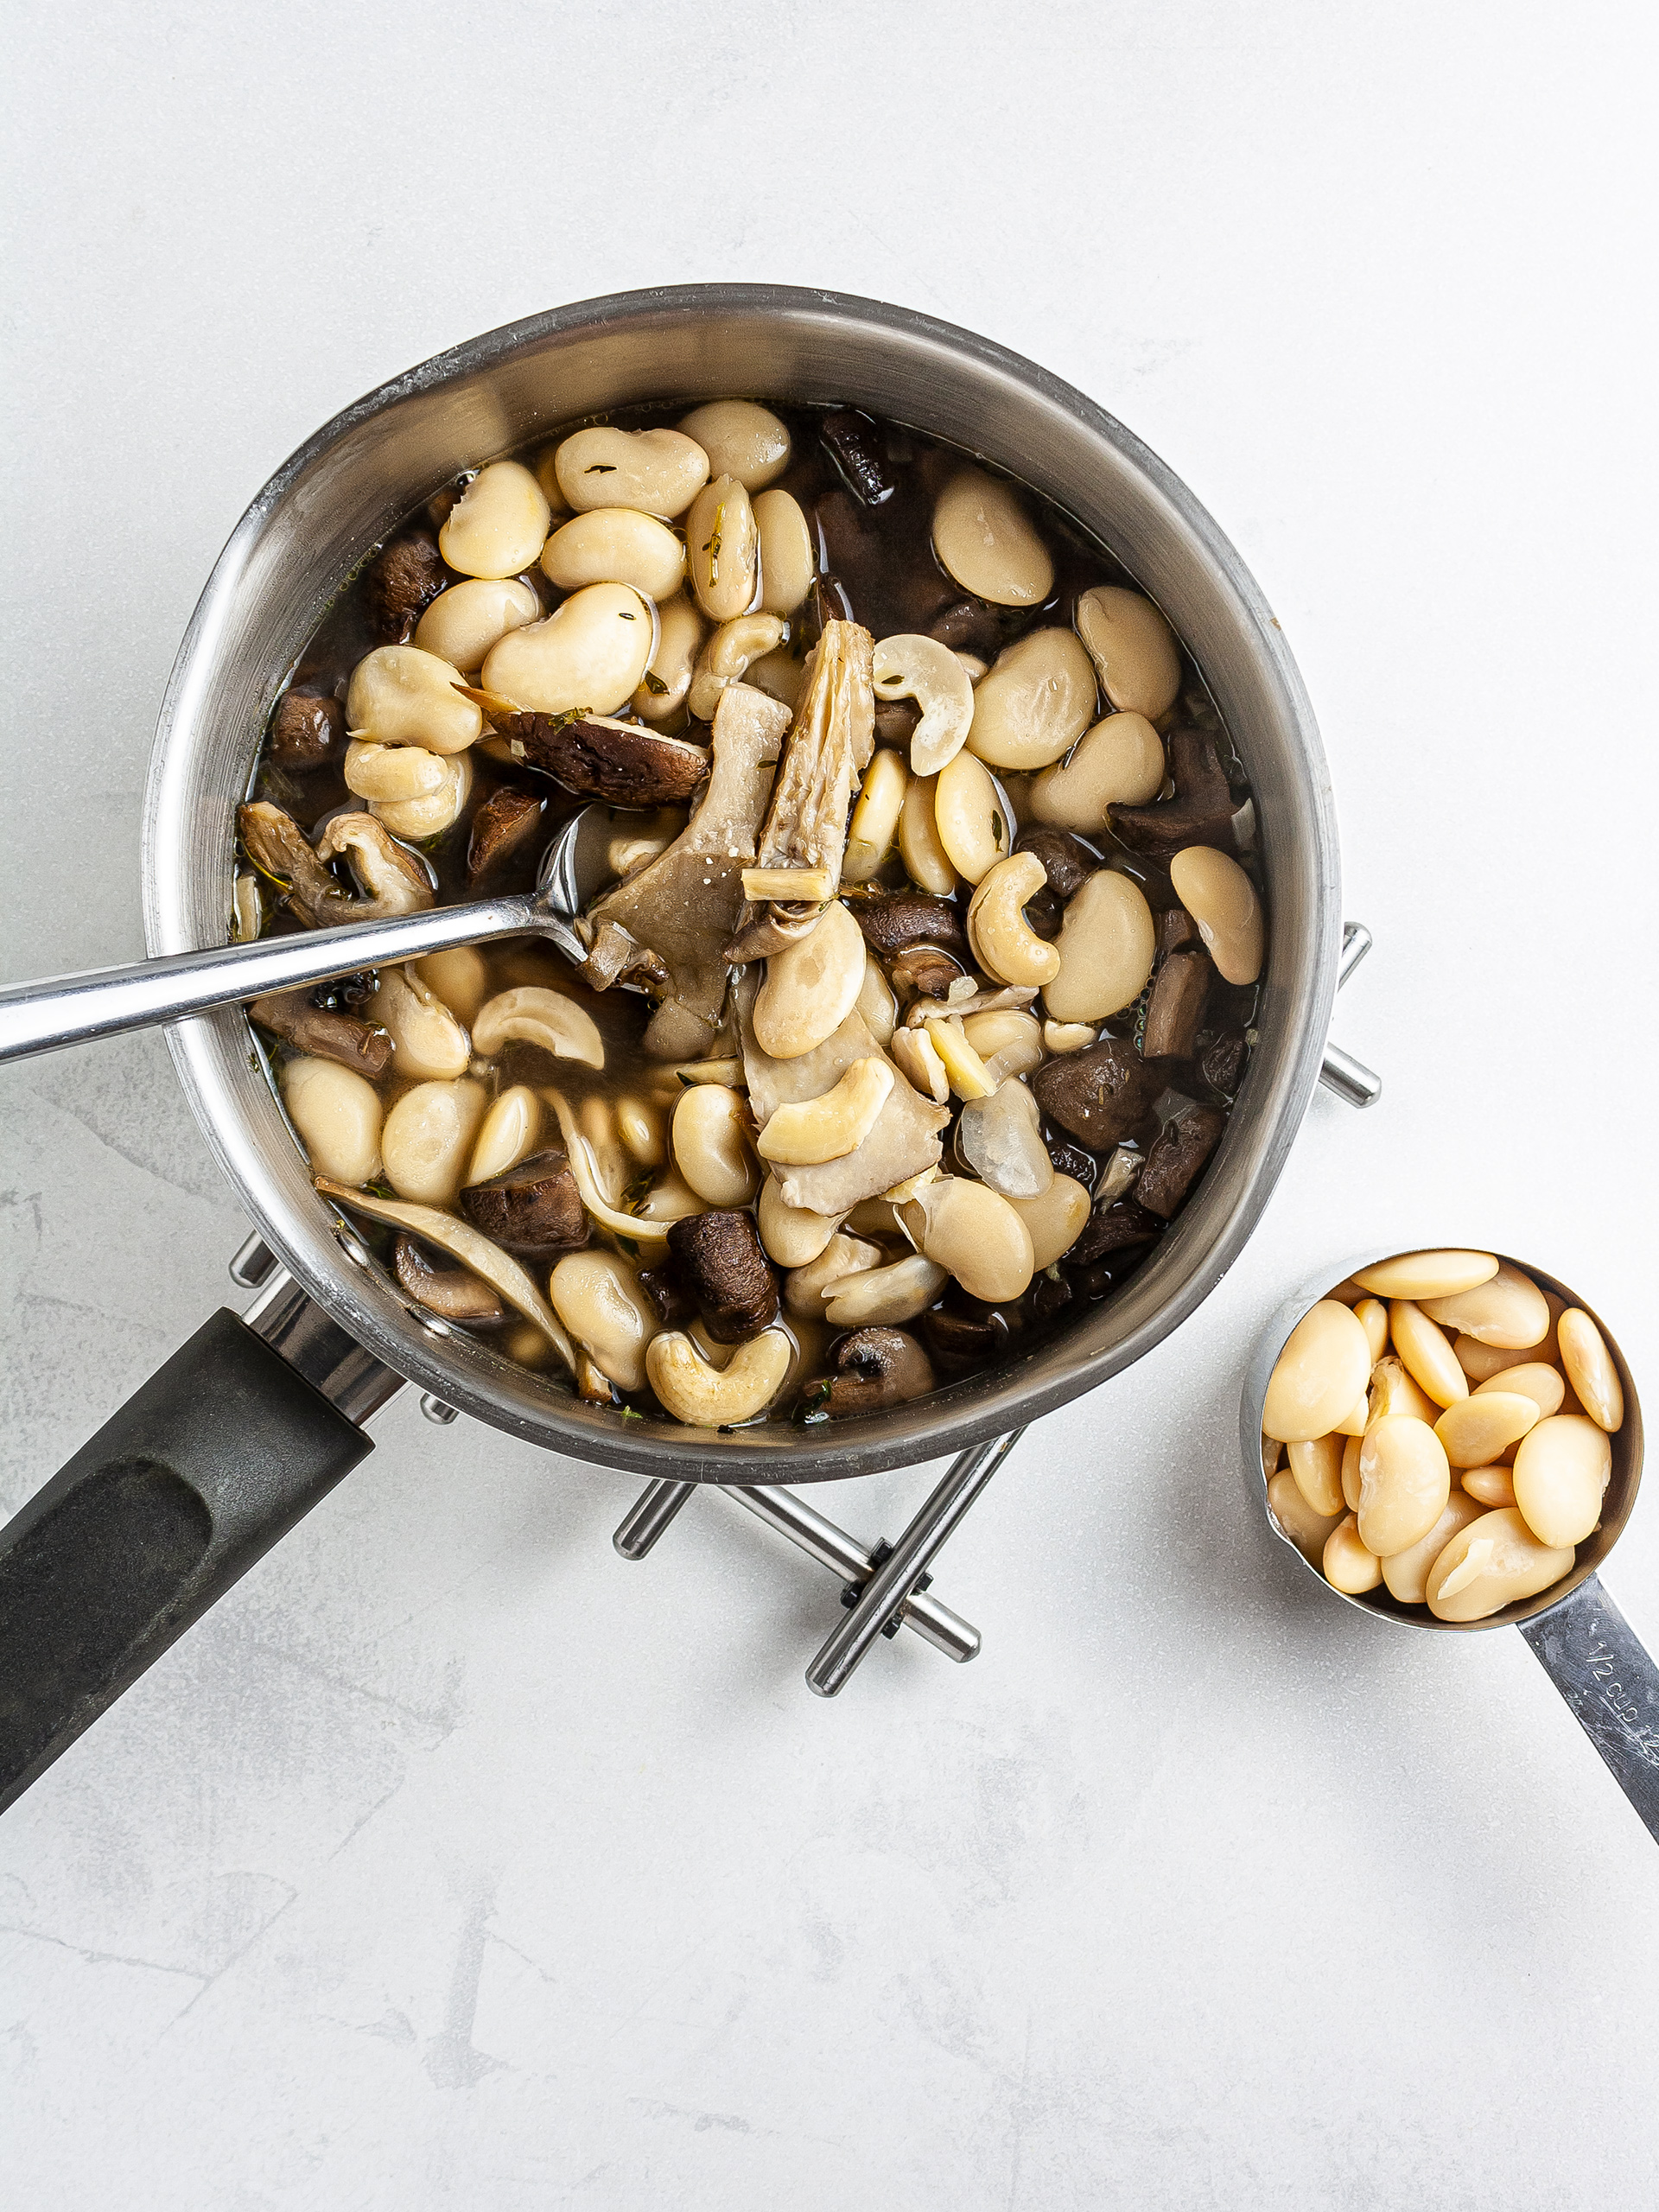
{"x": 684, "y": 905}
{"x": 1178, "y": 1159}
{"x": 1200, "y": 813}
{"x": 1098, "y": 1095}
{"x": 1222, "y": 1065}
{"x": 665, "y": 1287}
{"x": 455, "y": 1292}
{"x": 1176, "y": 1006}
{"x": 1069, "y": 1158}
{"x": 462, "y": 1242}
{"x": 506, "y": 826}
{"x": 1113, "y": 1228}
{"x": 892, "y": 921}
{"x": 964, "y": 1334}
{"x": 1177, "y": 931}
{"x": 925, "y": 971}
{"x": 324, "y": 1032}
{"x": 305, "y": 730}
{"x": 278, "y": 848}
{"x": 1066, "y": 860}
{"x": 724, "y": 1268}
{"x": 404, "y": 578}
{"x": 392, "y": 880}
{"x": 857, "y": 447}
{"x": 602, "y": 757}
{"x": 876, "y": 1368}
{"x": 533, "y": 1208}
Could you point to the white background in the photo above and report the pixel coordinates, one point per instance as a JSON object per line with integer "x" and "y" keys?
{"x": 452, "y": 1863}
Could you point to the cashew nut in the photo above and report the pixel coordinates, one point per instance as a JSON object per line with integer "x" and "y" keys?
{"x": 806, "y": 1287}
{"x": 511, "y": 1128}
{"x": 922, "y": 669}
{"x": 711, "y": 1145}
{"x": 538, "y": 1017}
{"x": 920, "y": 1063}
{"x": 805, "y": 1134}
{"x": 400, "y": 696}
{"x": 702, "y": 1397}
{"x": 812, "y": 986}
{"x": 727, "y": 657}
{"x": 1004, "y": 943}
{"x": 875, "y": 818}
{"x": 499, "y": 525}
{"x": 427, "y": 1042}
{"x": 793, "y": 1236}
{"x": 896, "y": 1292}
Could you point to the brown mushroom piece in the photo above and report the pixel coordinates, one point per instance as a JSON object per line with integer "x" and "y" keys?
{"x": 534, "y": 1207}
{"x": 403, "y": 580}
{"x": 963, "y": 1334}
{"x": 278, "y": 848}
{"x": 1112, "y": 1229}
{"x": 324, "y": 1032}
{"x": 724, "y": 1268}
{"x": 598, "y": 757}
{"x": 307, "y": 731}
{"x": 1098, "y": 1095}
{"x": 896, "y": 721}
{"x": 1067, "y": 861}
{"x": 1176, "y": 1008}
{"x": 667, "y": 1292}
{"x": 1176, "y": 931}
{"x": 893, "y": 921}
{"x": 1073, "y": 1160}
{"x": 875, "y": 1369}
{"x": 925, "y": 971}
{"x": 504, "y": 828}
{"x": 967, "y": 625}
{"x": 859, "y": 451}
{"x": 1200, "y": 813}
{"x": 455, "y": 1292}
{"x": 1179, "y": 1157}
{"x": 1222, "y": 1064}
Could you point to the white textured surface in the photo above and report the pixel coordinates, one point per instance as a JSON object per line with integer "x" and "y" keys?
{"x": 452, "y": 1863}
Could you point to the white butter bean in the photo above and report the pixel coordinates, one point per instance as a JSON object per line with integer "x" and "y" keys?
{"x": 394, "y": 771}
{"x": 1222, "y": 901}
{"x": 1406, "y": 1572}
{"x": 429, "y": 1138}
{"x": 591, "y": 653}
{"x": 1317, "y": 1376}
{"x": 875, "y": 818}
{"x": 1489, "y": 1486}
{"x": 711, "y": 1147}
{"x": 463, "y": 623}
{"x": 1405, "y": 1480}
{"x": 910, "y": 666}
{"x": 401, "y": 695}
{"x": 1107, "y": 944}
{"x": 460, "y": 978}
{"x": 793, "y": 1236}
{"x": 1009, "y": 1041}
{"x": 974, "y": 1235}
{"x": 1348, "y": 1566}
{"x": 1316, "y": 1462}
{"x": 658, "y": 472}
{"x": 985, "y": 540}
{"x": 1531, "y": 1379}
{"x": 1133, "y": 648}
{"x": 1055, "y": 1220}
{"x": 1003, "y": 941}
{"x": 1036, "y": 702}
{"x": 1120, "y": 762}
{"x": 877, "y": 1007}
{"x": 1308, "y": 1530}
{"x": 1508, "y": 1310}
{"x": 741, "y": 439}
{"x": 499, "y": 525}
{"x": 640, "y": 1128}
{"x": 1373, "y": 1317}
{"x": 920, "y": 846}
{"x": 338, "y": 1114}
{"x": 1590, "y": 1369}
{"x": 427, "y": 1039}
{"x": 1349, "y": 1472}
{"x": 508, "y": 1134}
{"x": 810, "y": 987}
{"x": 807, "y": 1285}
{"x": 598, "y": 1297}
{"x": 1068, "y": 1036}
{"x": 883, "y": 1297}
{"x": 1561, "y": 1475}
{"x": 433, "y": 811}
{"x": 1428, "y": 1356}
{"x": 1427, "y": 1274}
{"x": 663, "y": 689}
{"x": 615, "y": 546}
{"x": 787, "y": 566}
{"x": 1477, "y": 1430}
{"x": 723, "y": 554}
{"x": 1394, "y": 1395}
{"x": 1493, "y": 1562}
{"x": 971, "y": 817}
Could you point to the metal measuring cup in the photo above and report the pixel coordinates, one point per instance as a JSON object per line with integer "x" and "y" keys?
{"x": 1578, "y": 1634}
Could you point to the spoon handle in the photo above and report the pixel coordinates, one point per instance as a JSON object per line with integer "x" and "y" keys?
{"x": 70, "y": 1009}
{"x": 1590, "y": 1652}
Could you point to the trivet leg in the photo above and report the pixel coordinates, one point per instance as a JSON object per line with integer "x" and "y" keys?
{"x": 896, "y": 1578}
{"x": 648, "y": 1516}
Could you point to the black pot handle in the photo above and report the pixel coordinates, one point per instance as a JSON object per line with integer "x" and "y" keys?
{"x": 1590, "y": 1652}
{"x": 197, "y": 1476}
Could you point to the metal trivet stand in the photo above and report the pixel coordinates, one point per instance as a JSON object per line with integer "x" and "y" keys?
{"x": 889, "y": 1587}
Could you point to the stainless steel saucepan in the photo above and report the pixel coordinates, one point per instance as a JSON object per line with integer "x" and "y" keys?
{"x": 247, "y": 1426}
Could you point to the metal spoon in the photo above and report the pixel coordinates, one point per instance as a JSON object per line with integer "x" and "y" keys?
{"x": 71, "y": 1009}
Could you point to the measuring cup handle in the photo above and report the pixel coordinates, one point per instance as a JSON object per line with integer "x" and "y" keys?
{"x": 1590, "y": 1652}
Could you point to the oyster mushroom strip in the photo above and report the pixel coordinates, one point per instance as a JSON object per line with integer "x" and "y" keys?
{"x": 464, "y": 1244}
{"x": 829, "y": 744}
{"x": 681, "y": 906}
{"x": 324, "y": 1032}
{"x": 584, "y": 1167}
{"x": 392, "y": 880}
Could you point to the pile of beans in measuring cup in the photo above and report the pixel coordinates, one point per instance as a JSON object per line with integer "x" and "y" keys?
{"x": 1444, "y": 1425}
